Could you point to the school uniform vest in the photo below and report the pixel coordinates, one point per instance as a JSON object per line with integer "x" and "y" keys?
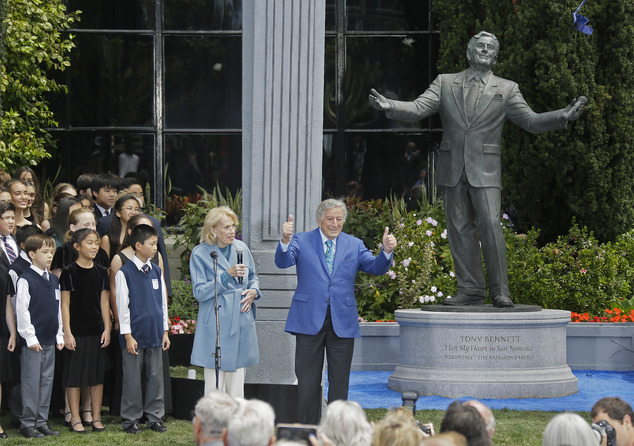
{"x": 44, "y": 306}
{"x": 146, "y": 305}
{"x": 19, "y": 266}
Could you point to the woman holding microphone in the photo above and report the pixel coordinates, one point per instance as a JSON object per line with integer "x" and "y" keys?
{"x": 237, "y": 288}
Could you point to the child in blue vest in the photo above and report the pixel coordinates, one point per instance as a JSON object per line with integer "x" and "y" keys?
{"x": 143, "y": 324}
{"x": 40, "y": 326}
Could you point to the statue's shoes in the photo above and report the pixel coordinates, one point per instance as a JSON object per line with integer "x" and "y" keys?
{"x": 502, "y": 301}
{"x": 464, "y": 299}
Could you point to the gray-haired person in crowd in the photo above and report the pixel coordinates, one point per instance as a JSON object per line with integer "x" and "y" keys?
{"x": 568, "y": 429}
{"x": 253, "y": 424}
{"x": 211, "y": 417}
{"x": 346, "y": 424}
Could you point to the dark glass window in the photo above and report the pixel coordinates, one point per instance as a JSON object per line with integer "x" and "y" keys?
{"x": 203, "y": 15}
{"x": 391, "y": 47}
{"x": 194, "y": 161}
{"x": 114, "y": 14}
{"x": 203, "y": 82}
{"x": 141, "y": 70}
{"x": 99, "y": 151}
{"x": 112, "y": 80}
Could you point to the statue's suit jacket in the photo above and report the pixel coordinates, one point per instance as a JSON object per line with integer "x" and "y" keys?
{"x": 474, "y": 146}
{"x": 315, "y": 287}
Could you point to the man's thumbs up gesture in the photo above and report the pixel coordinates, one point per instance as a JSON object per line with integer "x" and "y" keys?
{"x": 287, "y": 230}
{"x": 389, "y": 241}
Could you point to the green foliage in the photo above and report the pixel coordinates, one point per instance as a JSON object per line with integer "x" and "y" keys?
{"x": 183, "y": 303}
{"x": 187, "y": 234}
{"x": 585, "y": 171}
{"x": 36, "y": 46}
{"x": 575, "y": 272}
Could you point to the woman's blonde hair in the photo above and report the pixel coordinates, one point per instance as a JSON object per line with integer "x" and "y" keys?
{"x": 211, "y": 219}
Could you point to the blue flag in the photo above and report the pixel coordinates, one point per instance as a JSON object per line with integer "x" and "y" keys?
{"x": 580, "y": 22}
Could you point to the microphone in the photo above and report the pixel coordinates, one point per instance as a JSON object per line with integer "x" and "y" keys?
{"x": 214, "y": 255}
{"x": 239, "y": 260}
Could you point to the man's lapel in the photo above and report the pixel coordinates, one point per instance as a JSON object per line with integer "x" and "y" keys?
{"x": 489, "y": 92}
{"x": 457, "y": 88}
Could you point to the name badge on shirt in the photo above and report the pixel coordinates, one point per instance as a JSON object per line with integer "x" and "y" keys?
{"x": 58, "y": 294}
{"x": 155, "y": 284}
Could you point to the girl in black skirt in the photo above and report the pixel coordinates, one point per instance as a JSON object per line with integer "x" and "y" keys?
{"x": 86, "y": 319}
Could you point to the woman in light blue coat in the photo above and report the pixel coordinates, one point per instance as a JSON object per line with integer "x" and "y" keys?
{"x": 238, "y": 339}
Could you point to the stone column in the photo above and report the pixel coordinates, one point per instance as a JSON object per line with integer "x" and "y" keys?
{"x": 282, "y": 122}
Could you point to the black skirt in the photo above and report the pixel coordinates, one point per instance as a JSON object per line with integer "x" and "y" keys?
{"x": 86, "y": 366}
{"x": 9, "y": 362}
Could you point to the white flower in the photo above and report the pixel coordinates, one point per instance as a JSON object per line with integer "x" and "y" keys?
{"x": 421, "y": 299}
{"x": 432, "y": 298}
{"x": 410, "y": 244}
{"x": 440, "y": 294}
{"x": 434, "y": 289}
{"x": 452, "y": 274}
{"x": 444, "y": 234}
{"x": 432, "y": 244}
{"x": 428, "y": 233}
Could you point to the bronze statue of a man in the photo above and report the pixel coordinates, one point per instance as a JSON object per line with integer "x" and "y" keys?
{"x": 473, "y": 107}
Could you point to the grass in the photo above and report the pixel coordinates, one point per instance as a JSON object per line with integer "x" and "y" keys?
{"x": 516, "y": 428}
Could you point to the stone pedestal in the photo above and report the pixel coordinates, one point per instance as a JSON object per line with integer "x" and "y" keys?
{"x": 483, "y": 355}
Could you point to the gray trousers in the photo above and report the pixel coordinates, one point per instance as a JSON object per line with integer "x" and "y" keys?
{"x": 136, "y": 401}
{"x": 36, "y": 374}
{"x": 473, "y": 217}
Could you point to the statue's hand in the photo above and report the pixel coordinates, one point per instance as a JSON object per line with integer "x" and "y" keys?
{"x": 575, "y": 108}
{"x": 378, "y": 101}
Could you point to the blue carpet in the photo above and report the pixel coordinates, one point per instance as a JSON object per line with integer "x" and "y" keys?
{"x": 370, "y": 390}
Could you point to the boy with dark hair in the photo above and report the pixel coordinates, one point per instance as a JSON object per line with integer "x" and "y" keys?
{"x": 40, "y": 326}
{"x": 84, "y": 184}
{"x": 9, "y": 248}
{"x": 104, "y": 192}
{"x": 143, "y": 325}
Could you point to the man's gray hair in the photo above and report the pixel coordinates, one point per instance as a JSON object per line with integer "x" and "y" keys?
{"x": 345, "y": 423}
{"x": 252, "y": 424}
{"x": 214, "y": 410}
{"x": 477, "y": 37}
{"x": 331, "y": 203}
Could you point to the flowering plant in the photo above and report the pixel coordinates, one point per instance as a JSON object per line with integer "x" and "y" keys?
{"x": 422, "y": 269}
{"x": 182, "y": 308}
{"x": 181, "y": 326}
{"x": 614, "y": 315}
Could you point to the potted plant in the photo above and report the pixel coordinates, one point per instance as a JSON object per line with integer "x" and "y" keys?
{"x": 182, "y": 312}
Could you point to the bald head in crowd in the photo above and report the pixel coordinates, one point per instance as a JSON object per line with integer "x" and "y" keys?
{"x": 212, "y": 414}
{"x": 487, "y": 414}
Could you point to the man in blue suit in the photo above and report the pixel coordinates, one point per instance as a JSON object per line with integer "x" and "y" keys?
{"x": 323, "y": 313}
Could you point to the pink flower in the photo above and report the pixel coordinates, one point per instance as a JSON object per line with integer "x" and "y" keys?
{"x": 583, "y": 271}
{"x": 419, "y": 222}
{"x": 431, "y": 221}
{"x": 392, "y": 274}
{"x": 406, "y": 262}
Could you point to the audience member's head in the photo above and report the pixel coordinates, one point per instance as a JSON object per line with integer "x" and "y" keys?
{"x": 619, "y": 415}
{"x": 5, "y": 193}
{"x": 211, "y": 416}
{"x": 104, "y": 189}
{"x": 345, "y": 423}
{"x": 467, "y": 421}
{"x": 445, "y": 439}
{"x": 567, "y": 429}
{"x": 84, "y": 184}
{"x": 486, "y": 413}
{"x": 24, "y": 232}
{"x": 397, "y": 428}
{"x": 253, "y": 424}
